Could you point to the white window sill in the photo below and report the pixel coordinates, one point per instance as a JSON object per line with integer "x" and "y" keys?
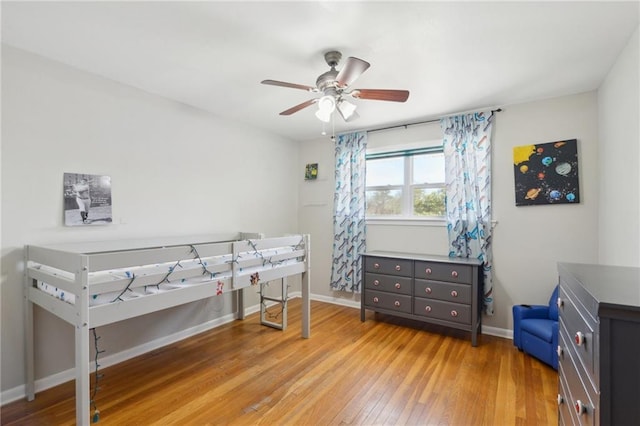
{"x": 411, "y": 221}
{"x": 407, "y": 221}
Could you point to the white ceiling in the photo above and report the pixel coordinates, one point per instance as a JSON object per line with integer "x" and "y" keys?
{"x": 451, "y": 56}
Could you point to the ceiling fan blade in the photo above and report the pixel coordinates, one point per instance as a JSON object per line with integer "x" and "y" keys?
{"x": 351, "y": 71}
{"x": 299, "y": 107}
{"x": 381, "y": 94}
{"x": 291, "y": 85}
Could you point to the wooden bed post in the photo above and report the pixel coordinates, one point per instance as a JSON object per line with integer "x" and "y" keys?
{"x": 83, "y": 381}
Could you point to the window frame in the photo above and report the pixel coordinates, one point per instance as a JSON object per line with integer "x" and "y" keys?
{"x": 406, "y": 217}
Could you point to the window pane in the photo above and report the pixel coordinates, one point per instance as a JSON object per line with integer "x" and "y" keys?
{"x": 384, "y": 202}
{"x": 385, "y": 171}
{"x": 428, "y": 168}
{"x": 428, "y": 202}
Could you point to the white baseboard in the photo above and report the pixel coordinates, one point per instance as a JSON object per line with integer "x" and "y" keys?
{"x": 56, "y": 379}
{"x": 336, "y": 301}
{"x": 498, "y": 332}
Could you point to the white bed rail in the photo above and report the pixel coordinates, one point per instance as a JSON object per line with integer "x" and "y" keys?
{"x": 102, "y": 285}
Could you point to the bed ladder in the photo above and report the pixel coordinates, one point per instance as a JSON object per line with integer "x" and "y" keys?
{"x": 281, "y": 300}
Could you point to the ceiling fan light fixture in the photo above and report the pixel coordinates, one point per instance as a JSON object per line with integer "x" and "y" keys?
{"x": 334, "y": 84}
{"x": 326, "y": 106}
{"x": 323, "y": 116}
{"x": 346, "y": 109}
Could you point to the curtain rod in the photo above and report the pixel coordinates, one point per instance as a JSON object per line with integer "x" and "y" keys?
{"x": 418, "y": 122}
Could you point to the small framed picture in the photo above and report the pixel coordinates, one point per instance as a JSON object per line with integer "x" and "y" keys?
{"x": 311, "y": 171}
{"x": 87, "y": 199}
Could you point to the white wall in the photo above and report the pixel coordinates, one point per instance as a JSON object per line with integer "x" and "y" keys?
{"x": 528, "y": 241}
{"x": 175, "y": 171}
{"x": 619, "y": 156}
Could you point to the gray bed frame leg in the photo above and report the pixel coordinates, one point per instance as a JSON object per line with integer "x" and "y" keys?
{"x": 82, "y": 374}
{"x": 30, "y": 385}
{"x": 83, "y": 370}
{"x": 240, "y": 304}
{"x": 306, "y": 290}
{"x": 29, "y": 342}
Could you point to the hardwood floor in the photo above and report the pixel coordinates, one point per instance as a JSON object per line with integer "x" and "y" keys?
{"x": 386, "y": 370}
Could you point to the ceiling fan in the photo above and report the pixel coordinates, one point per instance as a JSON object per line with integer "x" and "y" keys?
{"x": 334, "y": 87}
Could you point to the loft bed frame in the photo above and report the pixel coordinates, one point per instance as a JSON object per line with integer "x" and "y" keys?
{"x": 90, "y": 285}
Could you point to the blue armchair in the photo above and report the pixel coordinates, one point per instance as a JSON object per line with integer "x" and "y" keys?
{"x": 535, "y": 330}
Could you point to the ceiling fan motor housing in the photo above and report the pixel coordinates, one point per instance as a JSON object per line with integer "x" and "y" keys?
{"x": 333, "y": 58}
{"x": 326, "y": 83}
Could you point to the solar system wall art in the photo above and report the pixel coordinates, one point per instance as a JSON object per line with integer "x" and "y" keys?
{"x": 546, "y": 173}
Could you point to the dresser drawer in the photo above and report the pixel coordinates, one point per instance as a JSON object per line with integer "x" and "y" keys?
{"x": 390, "y": 301}
{"x": 444, "y": 272}
{"x": 395, "y": 284}
{"x": 566, "y": 413}
{"x": 438, "y": 309}
{"x": 388, "y": 266}
{"x": 450, "y": 292}
{"x": 579, "y": 333}
{"x": 581, "y": 394}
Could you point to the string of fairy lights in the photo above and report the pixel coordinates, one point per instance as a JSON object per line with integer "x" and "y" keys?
{"x": 97, "y": 375}
{"x": 278, "y": 314}
{"x": 257, "y": 254}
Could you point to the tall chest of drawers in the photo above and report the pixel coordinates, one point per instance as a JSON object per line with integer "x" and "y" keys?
{"x": 434, "y": 289}
{"x": 599, "y": 345}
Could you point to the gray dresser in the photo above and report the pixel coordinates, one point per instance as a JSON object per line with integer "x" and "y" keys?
{"x": 434, "y": 289}
{"x": 599, "y": 345}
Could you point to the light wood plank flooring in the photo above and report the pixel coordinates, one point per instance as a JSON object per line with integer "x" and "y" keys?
{"x": 385, "y": 371}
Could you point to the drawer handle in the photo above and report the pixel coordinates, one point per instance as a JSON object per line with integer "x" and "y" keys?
{"x": 454, "y": 313}
{"x": 396, "y": 303}
{"x": 397, "y": 286}
{"x": 559, "y": 351}
{"x": 580, "y": 408}
{"x": 560, "y": 303}
{"x": 428, "y": 290}
{"x": 579, "y": 338}
{"x": 376, "y": 300}
{"x": 376, "y": 266}
{"x": 560, "y": 399}
{"x": 376, "y": 282}
{"x": 454, "y": 293}
{"x": 454, "y": 274}
{"x": 427, "y": 308}
{"x": 398, "y": 267}
{"x": 428, "y": 271}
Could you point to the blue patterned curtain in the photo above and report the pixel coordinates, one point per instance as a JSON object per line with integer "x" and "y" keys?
{"x": 349, "y": 209}
{"x": 467, "y": 152}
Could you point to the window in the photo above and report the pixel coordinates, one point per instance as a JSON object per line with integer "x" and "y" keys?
{"x": 406, "y": 184}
